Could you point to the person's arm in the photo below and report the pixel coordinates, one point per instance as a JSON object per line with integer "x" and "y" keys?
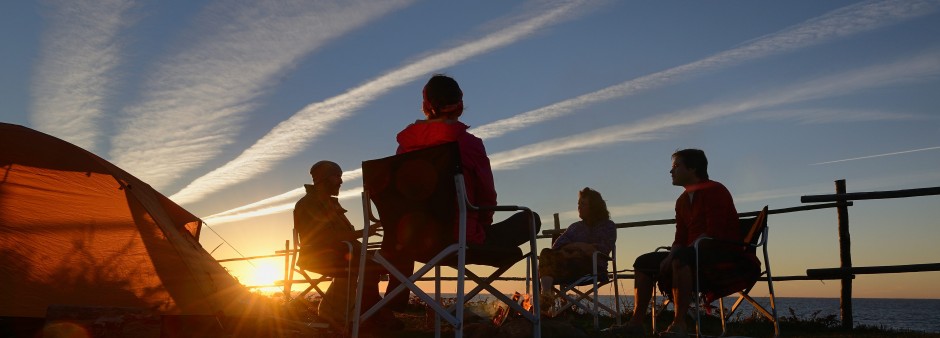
{"x": 566, "y": 237}
{"x": 720, "y": 214}
{"x": 585, "y": 248}
{"x": 476, "y": 160}
{"x": 608, "y": 237}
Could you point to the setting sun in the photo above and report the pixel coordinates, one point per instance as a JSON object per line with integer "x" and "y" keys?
{"x": 264, "y": 273}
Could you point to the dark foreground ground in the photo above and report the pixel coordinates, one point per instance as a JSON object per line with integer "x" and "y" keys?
{"x": 304, "y": 322}
{"x": 573, "y": 324}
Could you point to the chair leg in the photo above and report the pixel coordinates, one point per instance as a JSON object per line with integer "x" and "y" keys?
{"x": 437, "y": 298}
{"x": 653, "y": 309}
{"x": 721, "y": 312}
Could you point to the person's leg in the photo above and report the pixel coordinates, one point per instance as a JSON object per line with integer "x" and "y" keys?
{"x": 682, "y": 288}
{"x": 642, "y": 293}
{"x": 646, "y": 267}
{"x": 405, "y": 265}
{"x": 370, "y": 286}
{"x": 681, "y": 292}
{"x": 512, "y": 231}
{"x": 546, "y": 270}
{"x": 546, "y": 284}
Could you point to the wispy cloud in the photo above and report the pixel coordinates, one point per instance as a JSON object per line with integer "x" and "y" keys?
{"x": 196, "y": 99}
{"x": 908, "y": 70}
{"x": 294, "y": 134}
{"x": 821, "y": 116}
{"x": 843, "y": 22}
{"x": 879, "y": 155}
{"x": 288, "y": 197}
{"x": 76, "y": 70}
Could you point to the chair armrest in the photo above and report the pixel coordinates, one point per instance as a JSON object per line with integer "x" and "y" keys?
{"x": 594, "y": 260}
{"x": 700, "y": 239}
{"x": 497, "y": 207}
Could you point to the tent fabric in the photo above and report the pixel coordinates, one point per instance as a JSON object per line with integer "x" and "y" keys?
{"x": 77, "y": 230}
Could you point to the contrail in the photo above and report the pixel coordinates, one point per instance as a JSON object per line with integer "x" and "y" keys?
{"x": 879, "y": 155}
{"x": 79, "y": 52}
{"x": 291, "y": 196}
{"x": 197, "y": 97}
{"x": 648, "y": 208}
{"x": 876, "y": 76}
{"x": 299, "y": 131}
{"x": 842, "y": 22}
{"x": 232, "y": 215}
{"x": 820, "y": 116}
{"x": 904, "y": 71}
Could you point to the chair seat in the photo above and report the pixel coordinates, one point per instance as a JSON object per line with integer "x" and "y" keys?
{"x": 585, "y": 280}
{"x": 487, "y": 255}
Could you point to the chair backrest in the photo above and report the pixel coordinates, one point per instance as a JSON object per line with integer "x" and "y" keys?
{"x": 735, "y": 274}
{"x": 752, "y": 228}
{"x": 415, "y": 196}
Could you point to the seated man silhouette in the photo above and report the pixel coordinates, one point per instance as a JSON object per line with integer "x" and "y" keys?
{"x": 704, "y": 209}
{"x": 322, "y": 225}
{"x": 442, "y": 106}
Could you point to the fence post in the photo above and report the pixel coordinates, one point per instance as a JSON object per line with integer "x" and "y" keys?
{"x": 557, "y": 228}
{"x": 845, "y": 256}
{"x": 287, "y": 275}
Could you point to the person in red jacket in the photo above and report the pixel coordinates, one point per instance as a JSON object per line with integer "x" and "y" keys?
{"x": 442, "y": 105}
{"x": 704, "y": 209}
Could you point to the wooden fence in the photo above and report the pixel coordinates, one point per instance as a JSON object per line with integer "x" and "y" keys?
{"x": 841, "y": 200}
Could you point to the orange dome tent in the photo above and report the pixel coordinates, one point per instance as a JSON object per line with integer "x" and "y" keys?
{"x": 77, "y": 230}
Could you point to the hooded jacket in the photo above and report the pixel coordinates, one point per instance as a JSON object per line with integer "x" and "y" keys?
{"x": 478, "y": 176}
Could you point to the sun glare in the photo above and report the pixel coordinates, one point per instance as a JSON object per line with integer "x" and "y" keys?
{"x": 265, "y": 273}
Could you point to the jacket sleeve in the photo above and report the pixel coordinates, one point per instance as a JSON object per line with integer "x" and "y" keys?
{"x": 682, "y": 228}
{"x": 478, "y": 163}
{"x": 721, "y": 217}
{"x": 608, "y": 237}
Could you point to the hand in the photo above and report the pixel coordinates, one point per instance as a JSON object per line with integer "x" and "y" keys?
{"x": 375, "y": 228}
{"x": 665, "y": 267}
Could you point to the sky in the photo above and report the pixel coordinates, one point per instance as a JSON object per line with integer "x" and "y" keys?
{"x": 224, "y": 105}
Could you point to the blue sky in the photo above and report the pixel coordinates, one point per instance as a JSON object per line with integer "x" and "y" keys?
{"x": 224, "y": 105}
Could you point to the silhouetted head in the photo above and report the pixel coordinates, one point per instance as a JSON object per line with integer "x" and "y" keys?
{"x": 688, "y": 167}
{"x": 591, "y": 206}
{"x": 328, "y": 175}
{"x": 442, "y": 98}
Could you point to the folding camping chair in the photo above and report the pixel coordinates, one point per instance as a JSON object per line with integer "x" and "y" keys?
{"x": 313, "y": 283}
{"x": 292, "y": 255}
{"x": 418, "y": 196}
{"x": 596, "y": 279}
{"x": 755, "y": 232}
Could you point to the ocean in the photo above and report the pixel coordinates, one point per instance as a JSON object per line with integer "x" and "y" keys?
{"x": 921, "y": 315}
